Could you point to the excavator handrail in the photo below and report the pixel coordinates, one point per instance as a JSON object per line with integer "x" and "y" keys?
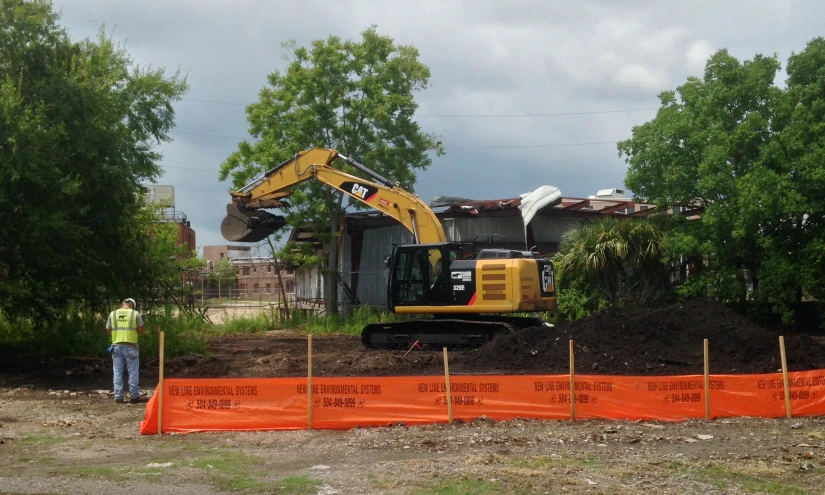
{"x": 383, "y": 195}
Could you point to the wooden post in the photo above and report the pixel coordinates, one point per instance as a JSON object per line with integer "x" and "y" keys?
{"x": 572, "y": 383}
{"x": 309, "y": 381}
{"x": 707, "y": 382}
{"x": 785, "y": 376}
{"x": 447, "y": 381}
{"x": 160, "y": 381}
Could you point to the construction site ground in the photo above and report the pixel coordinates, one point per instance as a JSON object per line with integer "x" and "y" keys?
{"x": 61, "y": 432}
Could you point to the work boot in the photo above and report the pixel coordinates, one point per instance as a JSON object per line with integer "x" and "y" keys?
{"x": 136, "y": 400}
{"x": 119, "y": 401}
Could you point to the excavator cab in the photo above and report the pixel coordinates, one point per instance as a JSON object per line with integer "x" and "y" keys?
{"x": 420, "y": 273}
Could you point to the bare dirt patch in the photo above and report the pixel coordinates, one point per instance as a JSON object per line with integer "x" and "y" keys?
{"x": 85, "y": 443}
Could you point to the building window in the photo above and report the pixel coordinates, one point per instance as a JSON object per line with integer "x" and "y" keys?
{"x": 221, "y": 255}
{"x": 290, "y": 286}
{"x": 256, "y": 286}
{"x": 246, "y": 271}
{"x": 243, "y": 286}
{"x": 269, "y": 288}
{"x": 268, "y": 269}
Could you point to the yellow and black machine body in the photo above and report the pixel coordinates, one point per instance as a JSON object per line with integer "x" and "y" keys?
{"x": 465, "y": 298}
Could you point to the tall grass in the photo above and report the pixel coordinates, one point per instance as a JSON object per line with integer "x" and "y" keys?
{"x": 352, "y": 325}
{"x": 80, "y": 335}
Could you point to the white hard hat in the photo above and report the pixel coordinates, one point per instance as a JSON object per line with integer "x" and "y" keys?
{"x": 130, "y": 301}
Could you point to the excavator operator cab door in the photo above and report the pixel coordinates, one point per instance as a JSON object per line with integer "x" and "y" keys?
{"x": 418, "y": 275}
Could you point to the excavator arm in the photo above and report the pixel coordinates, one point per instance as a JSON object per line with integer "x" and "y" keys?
{"x": 247, "y": 222}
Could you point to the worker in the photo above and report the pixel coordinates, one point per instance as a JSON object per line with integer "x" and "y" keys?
{"x": 124, "y": 325}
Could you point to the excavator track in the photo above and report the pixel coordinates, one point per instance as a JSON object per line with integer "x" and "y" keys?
{"x": 436, "y": 333}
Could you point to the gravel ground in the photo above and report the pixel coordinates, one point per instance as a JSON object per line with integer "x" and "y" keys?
{"x": 79, "y": 441}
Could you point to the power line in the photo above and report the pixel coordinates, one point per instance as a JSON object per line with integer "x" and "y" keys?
{"x": 555, "y": 145}
{"x": 557, "y": 114}
{"x": 527, "y": 146}
{"x": 444, "y": 180}
{"x": 476, "y": 116}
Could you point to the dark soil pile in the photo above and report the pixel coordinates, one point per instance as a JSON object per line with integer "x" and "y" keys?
{"x": 662, "y": 341}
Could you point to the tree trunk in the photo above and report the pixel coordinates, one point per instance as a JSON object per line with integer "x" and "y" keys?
{"x": 331, "y": 268}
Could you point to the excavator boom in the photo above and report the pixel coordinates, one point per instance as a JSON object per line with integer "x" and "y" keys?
{"x": 247, "y": 222}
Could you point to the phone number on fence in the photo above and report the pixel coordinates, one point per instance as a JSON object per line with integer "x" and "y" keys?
{"x": 460, "y": 400}
{"x": 338, "y": 402}
{"x": 685, "y": 398}
{"x": 212, "y": 404}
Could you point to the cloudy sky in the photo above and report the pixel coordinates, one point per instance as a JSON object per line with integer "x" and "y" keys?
{"x": 590, "y": 69}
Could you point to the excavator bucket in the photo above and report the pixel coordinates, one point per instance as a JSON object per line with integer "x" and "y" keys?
{"x": 242, "y": 225}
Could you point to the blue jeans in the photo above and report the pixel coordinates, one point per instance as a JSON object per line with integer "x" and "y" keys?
{"x": 128, "y": 356}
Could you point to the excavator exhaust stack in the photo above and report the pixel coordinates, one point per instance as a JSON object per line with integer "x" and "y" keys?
{"x": 243, "y": 225}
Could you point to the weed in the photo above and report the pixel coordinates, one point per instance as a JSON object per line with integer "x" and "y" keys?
{"x": 42, "y": 440}
{"x": 548, "y": 462}
{"x": 722, "y": 478}
{"x": 239, "y": 483}
{"x": 463, "y": 486}
{"x": 259, "y": 322}
{"x": 228, "y": 462}
{"x": 298, "y": 485}
{"x": 108, "y": 473}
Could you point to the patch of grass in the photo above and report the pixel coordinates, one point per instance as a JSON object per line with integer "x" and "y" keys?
{"x": 298, "y": 485}
{"x": 549, "y": 462}
{"x": 232, "y": 471}
{"x": 352, "y": 325}
{"x": 240, "y": 483}
{"x": 723, "y": 478}
{"x": 257, "y": 323}
{"x": 105, "y": 472}
{"x": 228, "y": 462}
{"x": 42, "y": 439}
{"x": 463, "y": 486}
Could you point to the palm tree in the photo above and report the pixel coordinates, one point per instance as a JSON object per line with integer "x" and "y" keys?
{"x": 623, "y": 257}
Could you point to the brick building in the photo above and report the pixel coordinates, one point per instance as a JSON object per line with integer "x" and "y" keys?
{"x": 256, "y": 275}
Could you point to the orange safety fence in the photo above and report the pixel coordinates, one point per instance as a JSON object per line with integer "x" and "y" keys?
{"x": 224, "y": 404}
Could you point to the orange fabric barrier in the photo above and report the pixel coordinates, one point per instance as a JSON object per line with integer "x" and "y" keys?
{"x": 191, "y": 405}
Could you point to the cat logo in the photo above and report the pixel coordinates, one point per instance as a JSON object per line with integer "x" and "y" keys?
{"x": 548, "y": 281}
{"x": 123, "y": 318}
{"x": 364, "y": 192}
{"x": 360, "y": 191}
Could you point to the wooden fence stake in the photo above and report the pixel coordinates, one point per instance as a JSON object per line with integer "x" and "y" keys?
{"x": 160, "y": 381}
{"x": 785, "y": 376}
{"x": 447, "y": 381}
{"x": 572, "y": 383}
{"x": 309, "y": 381}
{"x": 707, "y": 381}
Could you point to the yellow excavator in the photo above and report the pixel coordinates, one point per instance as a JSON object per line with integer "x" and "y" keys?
{"x": 465, "y": 297}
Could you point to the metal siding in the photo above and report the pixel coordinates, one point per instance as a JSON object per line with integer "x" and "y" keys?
{"x": 550, "y": 229}
{"x": 467, "y": 229}
{"x": 377, "y": 245}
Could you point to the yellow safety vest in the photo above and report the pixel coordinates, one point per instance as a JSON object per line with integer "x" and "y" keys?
{"x": 124, "y": 326}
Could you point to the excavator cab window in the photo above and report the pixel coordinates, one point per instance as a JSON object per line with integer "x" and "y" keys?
{"x": 420, "y": 275}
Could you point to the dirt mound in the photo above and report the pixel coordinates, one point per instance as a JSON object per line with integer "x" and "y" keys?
{"x": 661, "y": 341}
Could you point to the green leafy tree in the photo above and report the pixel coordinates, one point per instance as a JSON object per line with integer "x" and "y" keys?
{"x": 353, "y": 96}
{"x": 223, "y": 275}
{"x": 749, "y": 154}
{"x": 78, "y": 126}
{"x": 624, "y": 258}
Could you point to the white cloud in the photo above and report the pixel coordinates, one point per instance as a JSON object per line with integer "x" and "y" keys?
{"x": 697, "y": 55}
{"x": 486, "y": 56}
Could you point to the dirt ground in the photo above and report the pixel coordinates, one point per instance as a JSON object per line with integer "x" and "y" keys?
{"x": 80, "y": 441}
{"x": 61, "y": 432}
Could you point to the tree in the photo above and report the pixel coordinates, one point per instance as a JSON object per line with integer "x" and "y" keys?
{"x": 624, "y": 258}
{"x": 749, "y": 154}
{"x": 78, "y": 123}
{"x": 353, "y": 96}
{"x": 223, "y": 273}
